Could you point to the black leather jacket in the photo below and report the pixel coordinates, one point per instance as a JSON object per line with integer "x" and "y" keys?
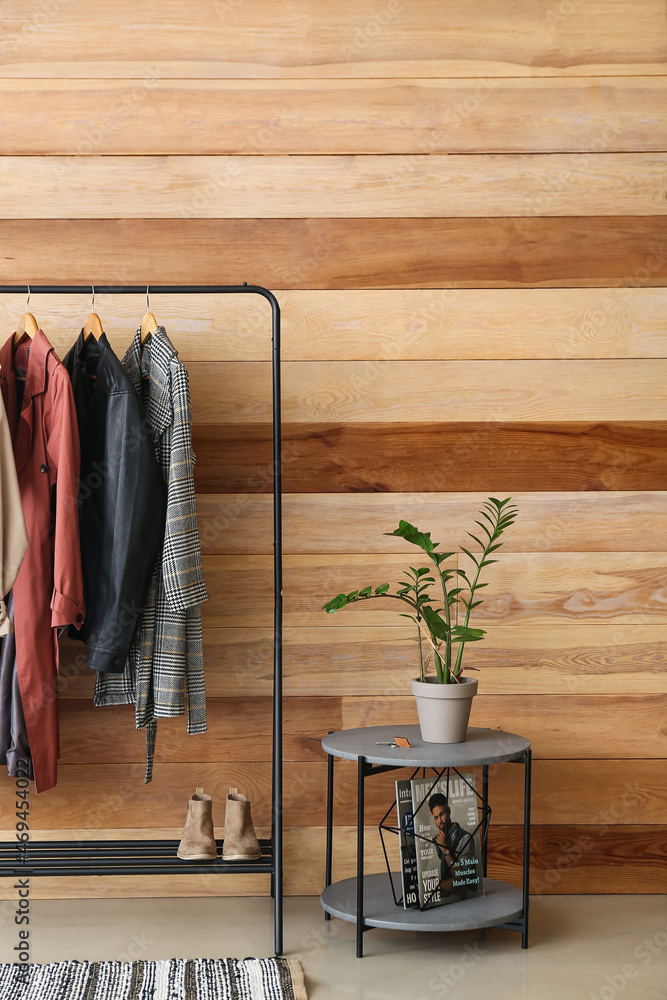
{"x": 122, "y": 502}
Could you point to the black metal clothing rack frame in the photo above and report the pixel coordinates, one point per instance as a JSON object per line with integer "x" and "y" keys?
{"x": 158, "y": 857}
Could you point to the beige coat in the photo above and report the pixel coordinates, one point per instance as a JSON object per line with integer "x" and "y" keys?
{"x": 13, "y": 536}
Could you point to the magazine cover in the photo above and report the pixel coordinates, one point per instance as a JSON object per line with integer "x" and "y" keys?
{"x": 406, "y": 842}
{"x": 447, "y": 839}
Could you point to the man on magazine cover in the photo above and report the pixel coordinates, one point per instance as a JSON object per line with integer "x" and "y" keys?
{"x": 452, "y": 843}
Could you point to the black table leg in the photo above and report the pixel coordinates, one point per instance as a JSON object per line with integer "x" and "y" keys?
{"x": 485, "y": 800}
{"x": 329, "y": 847}
{"x": 360, "y": 856}
{"x": 526, "y": 848}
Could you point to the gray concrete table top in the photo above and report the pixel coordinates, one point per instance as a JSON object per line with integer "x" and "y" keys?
{"x": 482, "y": 746}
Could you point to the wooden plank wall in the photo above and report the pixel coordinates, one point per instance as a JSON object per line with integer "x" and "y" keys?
{"x": 461, "y": 207}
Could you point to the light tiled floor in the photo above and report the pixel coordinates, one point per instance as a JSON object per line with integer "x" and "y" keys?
{"x": 581, "y": 947}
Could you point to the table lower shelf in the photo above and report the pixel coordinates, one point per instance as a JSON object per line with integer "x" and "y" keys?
{"x": 500, "y": 904}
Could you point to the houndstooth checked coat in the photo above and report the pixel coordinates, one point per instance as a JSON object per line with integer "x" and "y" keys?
{"x": 165, "y": 668}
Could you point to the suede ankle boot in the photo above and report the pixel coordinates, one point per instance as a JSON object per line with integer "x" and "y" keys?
{"x": 198, "y": 841}
{"x": 240, "y": 843}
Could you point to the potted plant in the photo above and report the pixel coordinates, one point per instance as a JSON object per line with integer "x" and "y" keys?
{"x": 444, "y": 699}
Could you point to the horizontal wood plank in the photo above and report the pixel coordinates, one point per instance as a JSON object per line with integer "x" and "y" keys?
{"x": 615, "y": 588}
{"x": 581, "y": 860}
{"x": 340, "y": 253}
{"x": 607, "y": 726}
{"x": 391, "y": 391}
{"x": 92, "y": 735}
{"x": 570, "y": 859}
{"x": 88, "y": 735}
{"x": 449, "y": 324}
{"x": 401, "y": 457}
{"x": 612, "y": 587}
{"x": 358, "y": 660}
{"x": 627, "y": 521}
{"x": 349, "y": 38}
{"x": 302, "y": 187}
{"x": 257, "y": 117}
{"x": 143, "y": 887}
{"x": 91, "y": 796}
{"x": 595, "y": 727}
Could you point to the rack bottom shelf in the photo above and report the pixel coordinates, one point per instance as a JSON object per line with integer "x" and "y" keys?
{"x": 501, "y": 904}
{"x": 120, "y": 857}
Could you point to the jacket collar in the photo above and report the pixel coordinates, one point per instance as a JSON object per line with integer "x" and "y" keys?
{"x": 78, "y": 358}
{"x": 37, "y": 350}
{"x": 36, "y": 353}
{"x": 152, "y": 361}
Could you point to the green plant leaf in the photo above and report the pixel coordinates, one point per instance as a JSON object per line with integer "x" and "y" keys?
{"x": 353, "y": 595}
{"x": 466, "y": 634}
{"x": 382, "y": 589}
{"x": 454, "y": 592}
{"x": 447, "y": 574}
{"x": 475, "y": 539}
{"x": 337, "y": 602}
{"x": 470, "y": 555}
{"x": 414, "y": 535}
{"x": 403, "y": 526}
{"x": 484, "y": 527}
{"x": 366, "y": 592}
{"x": 439, "y": 628}
{"x": 440, "y": 557}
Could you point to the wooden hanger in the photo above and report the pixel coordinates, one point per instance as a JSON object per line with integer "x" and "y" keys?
{"x": 93, "y": 325}
{"x": 148, "y": 323}
{"x": 26, "y": 324}
{"x": 148, "y": 326}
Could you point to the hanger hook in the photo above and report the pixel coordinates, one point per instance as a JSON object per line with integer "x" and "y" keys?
{"x": 92, "y": 304}
{"x": 148, "y": 305}
{"x": 27, "y": 301}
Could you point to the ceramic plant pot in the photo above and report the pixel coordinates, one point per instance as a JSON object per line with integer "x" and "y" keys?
{"x": 444, "y": 709}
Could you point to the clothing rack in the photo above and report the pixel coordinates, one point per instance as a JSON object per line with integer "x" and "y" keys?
{"x": 158, "y": 857}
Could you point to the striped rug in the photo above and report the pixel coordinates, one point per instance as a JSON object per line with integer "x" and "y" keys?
{"x": 177, "y": 979}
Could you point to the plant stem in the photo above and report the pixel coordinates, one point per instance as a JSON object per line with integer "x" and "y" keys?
{"x": 444, "y": 677}
{"x": 421, "y": 655}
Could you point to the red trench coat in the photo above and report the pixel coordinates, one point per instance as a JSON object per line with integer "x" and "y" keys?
{"x": 48, "y": 592}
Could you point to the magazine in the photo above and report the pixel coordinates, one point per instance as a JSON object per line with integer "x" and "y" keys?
{"x": 406, "y": 842}
{"x": 447, "y": 839}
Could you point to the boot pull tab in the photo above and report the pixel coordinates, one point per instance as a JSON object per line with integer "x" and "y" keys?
{"x": 233, "y": 791}
{"x": 199, "y": 791}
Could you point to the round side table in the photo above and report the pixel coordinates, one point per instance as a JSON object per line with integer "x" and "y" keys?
{"x": 368, "y": 900}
